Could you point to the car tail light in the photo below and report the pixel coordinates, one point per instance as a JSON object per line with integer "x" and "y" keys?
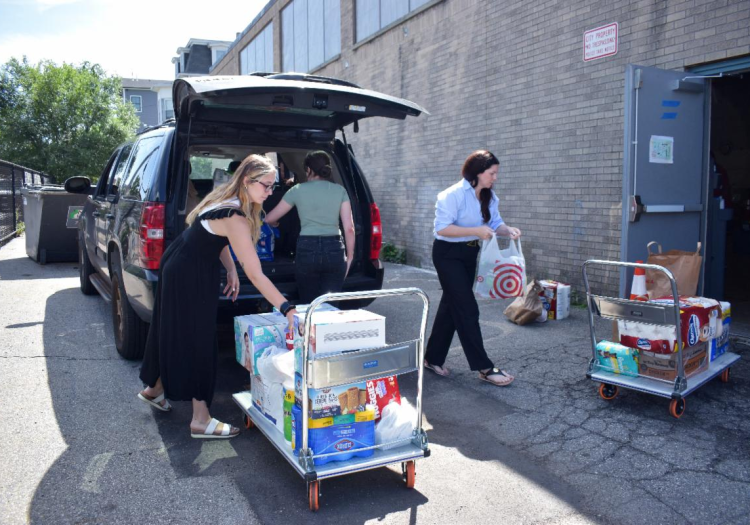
{"x": 376, "y": 237}
{"x": 152, "y": 235}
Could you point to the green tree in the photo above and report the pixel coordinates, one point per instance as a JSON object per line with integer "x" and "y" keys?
{"x": 62, "y": 120}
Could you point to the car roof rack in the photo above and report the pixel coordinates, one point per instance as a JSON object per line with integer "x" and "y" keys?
{"x": 304, "y": 77}
{"x": 167, "y": 123}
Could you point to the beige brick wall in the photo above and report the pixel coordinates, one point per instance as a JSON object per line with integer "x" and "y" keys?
{"x": 509, "y": 76}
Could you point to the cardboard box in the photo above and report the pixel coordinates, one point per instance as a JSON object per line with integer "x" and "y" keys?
{"x": 335, "y": 331}
{"x": 342, "y": 330}
{"x": 555, "y": 299}
{"x": 664, "y": 366}
{"x": 334, "y": 401}
{"x": 382, "y": 391}
{"x": 259, "y": 391}
{"x": 254, "y": 333}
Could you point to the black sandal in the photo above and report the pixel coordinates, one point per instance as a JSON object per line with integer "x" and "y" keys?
{"x": 485, "y": 376}
{"x": 439, "y": 370}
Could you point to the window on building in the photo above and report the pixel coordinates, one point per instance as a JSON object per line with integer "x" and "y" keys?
{"x": 258, "y": 54}
{"x": 374, "y": 15}
{"x": 167, "y": 109}
{"x": 219, "y": 55}
{"x": 137, "y": 101}
{"x": 311, "y": 33}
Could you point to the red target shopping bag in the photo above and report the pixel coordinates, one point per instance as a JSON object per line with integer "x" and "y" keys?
{"x": 501, "y": 274}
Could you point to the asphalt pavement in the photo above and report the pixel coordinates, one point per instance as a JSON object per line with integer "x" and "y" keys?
{"x": 76, "y": 446}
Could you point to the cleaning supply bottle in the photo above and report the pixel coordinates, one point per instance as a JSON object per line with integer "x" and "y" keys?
{"x": 288, "y": 405}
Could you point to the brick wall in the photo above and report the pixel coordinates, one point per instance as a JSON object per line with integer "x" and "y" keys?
{"x": 509, "y": 76}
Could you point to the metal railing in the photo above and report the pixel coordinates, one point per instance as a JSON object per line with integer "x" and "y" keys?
{"x": 12, "y": 178}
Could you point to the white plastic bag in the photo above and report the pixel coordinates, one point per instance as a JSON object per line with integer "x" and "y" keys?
{"x": 501, "y": 274}
{"x": 276, "y": 365}
{"x": 397, "y": 422}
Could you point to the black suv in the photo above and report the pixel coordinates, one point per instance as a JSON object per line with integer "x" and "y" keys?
{"x": 149, "y": 185}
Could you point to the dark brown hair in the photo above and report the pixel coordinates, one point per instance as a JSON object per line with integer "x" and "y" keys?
{"x": 476, "y": 163}
{"x": 320, "y": 163}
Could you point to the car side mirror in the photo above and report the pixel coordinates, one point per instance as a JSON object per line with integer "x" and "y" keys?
{"x": 78, "y": 185}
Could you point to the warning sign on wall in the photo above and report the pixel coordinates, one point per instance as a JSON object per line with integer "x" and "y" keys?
{"x": 600, "y": 42}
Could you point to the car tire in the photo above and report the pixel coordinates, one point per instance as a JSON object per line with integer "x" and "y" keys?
{"x": 130, "y": 331}
{"x": 85, "y": 269}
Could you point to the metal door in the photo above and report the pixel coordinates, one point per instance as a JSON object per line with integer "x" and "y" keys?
{"x": 664, "y": 162}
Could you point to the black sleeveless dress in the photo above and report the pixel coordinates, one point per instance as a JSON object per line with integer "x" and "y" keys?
{"x": 181, "y": 345}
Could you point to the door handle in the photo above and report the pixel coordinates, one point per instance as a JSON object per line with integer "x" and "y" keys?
{"x": 109, "y": 216}
{"x": 96, "y": 214}
{"x": 636, "y": 208}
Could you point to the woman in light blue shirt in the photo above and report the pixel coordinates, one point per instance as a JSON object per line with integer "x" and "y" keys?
{"x": 465, "y": 213}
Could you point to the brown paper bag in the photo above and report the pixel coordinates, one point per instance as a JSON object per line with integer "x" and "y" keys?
{"x": 528, "y": 308}
{"x": 685, "y": 266}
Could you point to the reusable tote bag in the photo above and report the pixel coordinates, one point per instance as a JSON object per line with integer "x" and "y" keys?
{"x": 501, "y": 274}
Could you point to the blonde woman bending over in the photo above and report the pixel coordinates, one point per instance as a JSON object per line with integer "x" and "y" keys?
{"x": 180, "y": 358}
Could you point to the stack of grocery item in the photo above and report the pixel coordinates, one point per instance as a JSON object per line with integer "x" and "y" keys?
{"x": 341, "y": 418}
{"x": 653, "y": 348}
{"x": 555, "y": 299}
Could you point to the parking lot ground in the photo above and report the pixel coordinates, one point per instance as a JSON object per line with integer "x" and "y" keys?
{"x": 76, "y": 446}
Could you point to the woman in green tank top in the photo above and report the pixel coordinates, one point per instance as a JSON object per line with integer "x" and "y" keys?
{"x": 322, "y": 259}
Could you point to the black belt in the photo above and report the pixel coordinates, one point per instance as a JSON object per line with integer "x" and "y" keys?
{"x": 472, "y": 244}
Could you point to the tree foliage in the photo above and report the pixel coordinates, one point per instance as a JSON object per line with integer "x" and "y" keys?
{"x": 62, "y": 120}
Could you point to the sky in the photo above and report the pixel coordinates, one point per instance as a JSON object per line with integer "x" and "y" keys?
{"x": 128, "y": 38}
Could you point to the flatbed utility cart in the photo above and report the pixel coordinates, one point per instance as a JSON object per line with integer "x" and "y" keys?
{"x": 331, "y": 370}
{"x": 647, "y": 313}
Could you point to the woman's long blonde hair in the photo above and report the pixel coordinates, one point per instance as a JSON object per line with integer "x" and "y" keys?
{"x": 252, "y": 168}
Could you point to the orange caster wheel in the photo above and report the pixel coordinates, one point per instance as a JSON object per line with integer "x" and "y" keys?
{"x": 410, "y": 474}
{"x": 608, "y": 392}
{"x": 313, "y": 495}
{"x": 677, "y": 407}
{"x": 248, "y": 422}
{"x": 724, "y": 375}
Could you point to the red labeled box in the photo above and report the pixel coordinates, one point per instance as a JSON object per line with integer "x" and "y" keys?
{"x": 382, "y": 391}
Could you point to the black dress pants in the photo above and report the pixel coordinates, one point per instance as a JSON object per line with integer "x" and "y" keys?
{"x": 456, "y": 265}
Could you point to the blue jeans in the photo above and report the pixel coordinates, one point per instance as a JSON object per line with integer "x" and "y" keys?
{"x": 320, "y": 266}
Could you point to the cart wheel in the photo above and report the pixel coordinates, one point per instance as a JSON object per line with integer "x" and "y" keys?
{"x": 410, "y": 474}
{"x": 313, "y": 494}
{"x": 677, "y": 407}
{"x": 248, "y": 422}
{"x": 608, "y": 392}
{"x": 724, "y": 375}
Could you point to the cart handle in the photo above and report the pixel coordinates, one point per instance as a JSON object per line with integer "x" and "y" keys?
{"x": 675, "y": 297}
{"x": 352, "y": 296}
